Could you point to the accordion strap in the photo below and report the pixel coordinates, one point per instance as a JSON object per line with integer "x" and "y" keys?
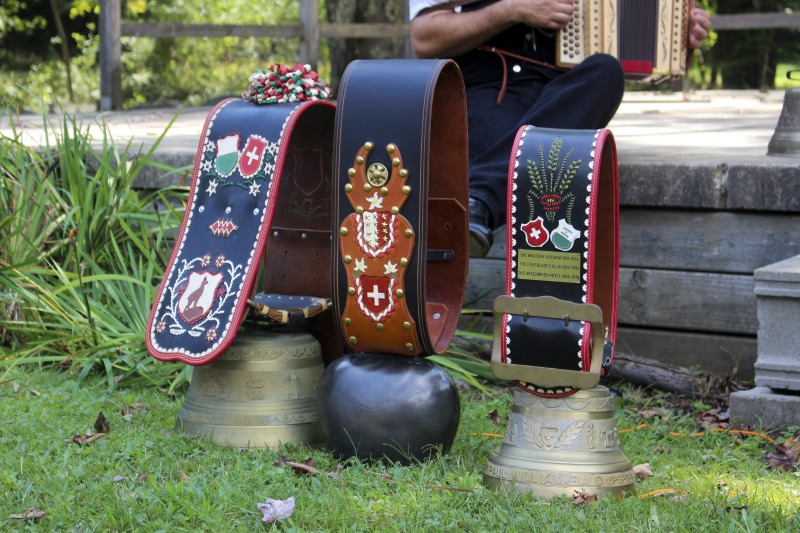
{"x": 502, "y": 55}
{"x": 556, "y": 326}
{"x": 400, "y": 206}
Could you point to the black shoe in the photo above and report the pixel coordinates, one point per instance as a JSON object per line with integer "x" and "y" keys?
{"x": 480, "y": 236}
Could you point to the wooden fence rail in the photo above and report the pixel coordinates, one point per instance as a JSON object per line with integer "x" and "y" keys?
{"x": 309, "y": 30}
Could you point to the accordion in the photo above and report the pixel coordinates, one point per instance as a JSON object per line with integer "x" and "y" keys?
{"x": 649, "y": 37}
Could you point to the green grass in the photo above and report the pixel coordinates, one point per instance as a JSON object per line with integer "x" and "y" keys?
{"x": 170, "y": 481}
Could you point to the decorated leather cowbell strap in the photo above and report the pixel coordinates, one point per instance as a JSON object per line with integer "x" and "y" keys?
{"x": 248, "y": 157}
{"x": 400, "y": 205}
{"x": 556, "y": 326}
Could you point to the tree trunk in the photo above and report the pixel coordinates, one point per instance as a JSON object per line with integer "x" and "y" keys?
{"x": 343, "y": 51}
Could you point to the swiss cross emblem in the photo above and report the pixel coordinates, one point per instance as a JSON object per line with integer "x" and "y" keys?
{"x": 536, "y": 234}
{"x": 252, "y": 156}
{"x": 375, "y": 296}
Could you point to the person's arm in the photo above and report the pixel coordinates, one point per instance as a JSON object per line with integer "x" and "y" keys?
{"x": 699, "y": 24}
{"x": 445, "y": 33}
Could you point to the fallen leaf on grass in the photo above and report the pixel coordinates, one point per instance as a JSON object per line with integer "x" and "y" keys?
{"x": 785, "y": 458}
{"x": 494, "y": 416}
{"x": 32, "y": 514}
{"x": 142, "y": 478}
{"x": 306, "y": 467}
{"x": 101, "y": 427}
{"x": 274, "y": 510}
{"x": 15, "y": 387}
{"x": 643, "y": 471}
{"x": 35, "y": 392}
{"x": 183, "y": 477}
{"x": 581, "y": 497}
{"x": 714, "y": 419}
{"x": 119, "y": 479}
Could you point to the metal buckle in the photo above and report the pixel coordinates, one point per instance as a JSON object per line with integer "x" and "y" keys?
{"x": 548, "y": 307}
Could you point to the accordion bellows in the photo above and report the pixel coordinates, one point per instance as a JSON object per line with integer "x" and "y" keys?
{"x": 649, "y": 37}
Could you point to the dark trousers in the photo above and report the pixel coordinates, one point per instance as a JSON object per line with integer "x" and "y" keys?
{"x": 585, "y": 97}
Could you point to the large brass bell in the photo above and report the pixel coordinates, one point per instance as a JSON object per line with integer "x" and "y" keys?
{"x": 786, "y": 139}
{"x": 260, "y": 393}
{"x": 561, "y": 446}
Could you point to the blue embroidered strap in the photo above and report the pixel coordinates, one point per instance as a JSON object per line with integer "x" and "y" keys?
{"x": 241, "y": 159}
{"x": 556, "y": 326}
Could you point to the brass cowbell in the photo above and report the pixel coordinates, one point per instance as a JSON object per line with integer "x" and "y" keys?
{"x": 561, "y": 446}
{"x": 786, "y": 139}
{"x": 259, "y": 393}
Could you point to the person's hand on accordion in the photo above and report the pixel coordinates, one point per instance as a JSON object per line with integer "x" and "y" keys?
{"x": 699, "y": 24}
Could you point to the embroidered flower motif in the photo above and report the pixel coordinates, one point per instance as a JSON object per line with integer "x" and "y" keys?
{"x": 205, "y": 260}
{"x": 212, "y": 187}
{"x": 211, "y": 334}
{"x": 254, "y": 188}
{"x": 390, "y": 267}
{"x": 220, "y": 261}
{"x": 161, "y": 326}
{"x": 205, "y": 166}
{"x": 361, "y": 265}
{"x": 375, "y": 202}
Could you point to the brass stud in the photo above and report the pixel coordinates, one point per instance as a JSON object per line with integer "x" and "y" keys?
{"x": 395, "y": 161}
{"x": 352, "y": 340}
{"x": 367, "y": 187}
{"x": 379, "y": 326}
{"x": 409, "y": 347}
{"x": 403, "y": 173}
{"x": 403, "y": 261}
{"x": 399, "y": 293}
{"x": 351, "y": 172}
{"x": 351, "y": 291}
{"x": 408, "y": 233}
{"x": 391, "y": 148}
{"x": 348, "y": 187}
{"x": 384, "y": 191}
{"x": 368, "y": 146}
{"x": 406, "y": 190}
{"x": 406, "y": 325}
{"x": 395, "y": 210}
{"x": 342, "y": 231}
{"x": 348, "y": 259}
{"x": 360, "y": 210}
{"x": 347, "y": 321}
{"x": 359, "y": 160}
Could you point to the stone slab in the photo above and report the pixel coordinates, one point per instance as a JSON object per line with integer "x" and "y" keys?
{"x": 765, "y": 409}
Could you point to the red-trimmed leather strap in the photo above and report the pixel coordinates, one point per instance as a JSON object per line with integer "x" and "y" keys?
{"x": 261, "y": 182}
{"x": 400, "y": 206}
{"x": 557, "y": 325}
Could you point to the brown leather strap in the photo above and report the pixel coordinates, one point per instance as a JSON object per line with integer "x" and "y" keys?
{"x": 400, "y": 206}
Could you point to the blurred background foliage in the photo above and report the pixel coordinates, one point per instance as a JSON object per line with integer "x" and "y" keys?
{"x": 34, "y": 54}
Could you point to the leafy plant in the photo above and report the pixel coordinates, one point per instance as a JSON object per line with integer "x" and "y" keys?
{"x": 81, "y": 254}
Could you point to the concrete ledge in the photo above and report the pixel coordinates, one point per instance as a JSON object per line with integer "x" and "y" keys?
{"x": 764, "y": 408}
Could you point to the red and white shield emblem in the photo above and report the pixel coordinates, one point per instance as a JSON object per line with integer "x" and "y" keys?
{"x": 375, "y": 296}
{"x": 252, "y": 156}
{"x": 198, "y": 297}
{"x": 535, "y": 232}
{"x": 375, "y": 232}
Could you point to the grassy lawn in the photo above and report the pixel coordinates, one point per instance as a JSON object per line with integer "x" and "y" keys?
{"x": 144, "y": 475}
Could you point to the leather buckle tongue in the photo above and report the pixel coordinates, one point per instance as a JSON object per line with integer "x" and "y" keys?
{"x": 548, "y": 307}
